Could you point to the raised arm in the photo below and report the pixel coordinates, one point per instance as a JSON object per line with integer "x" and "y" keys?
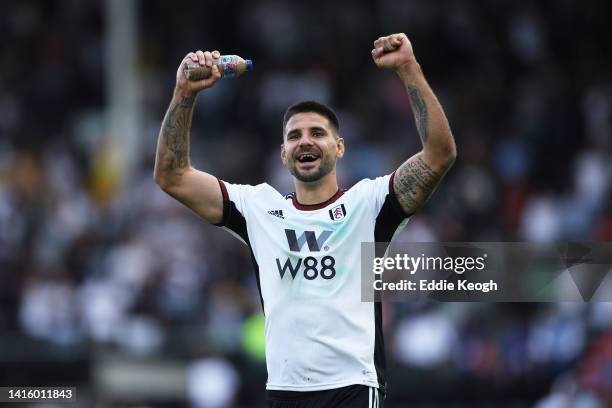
{"x": 417, "y": 178}
{"x": 173, "y": 172}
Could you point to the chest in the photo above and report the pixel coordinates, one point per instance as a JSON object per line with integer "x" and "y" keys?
{"x": 284, "y": 230}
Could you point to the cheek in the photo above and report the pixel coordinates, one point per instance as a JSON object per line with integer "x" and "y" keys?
{"x": 288, "y": 154}
{"x": 331, "y": 149}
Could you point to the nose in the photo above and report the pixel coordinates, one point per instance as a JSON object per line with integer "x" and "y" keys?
{"x": 305, "y": 140}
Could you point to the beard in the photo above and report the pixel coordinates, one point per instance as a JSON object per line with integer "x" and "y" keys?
{"x": 326, "y": 165}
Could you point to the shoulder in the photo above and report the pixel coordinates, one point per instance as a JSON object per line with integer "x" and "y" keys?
{"x": 248, "y": 189}
{"x": 378, "y": 185}
{"x": 245, "y": 196}
{"x": 380, "y": 194}
{"x": 264, "y": 189}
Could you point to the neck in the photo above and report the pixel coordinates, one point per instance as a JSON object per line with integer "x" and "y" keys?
{"x": 315, "y": 192}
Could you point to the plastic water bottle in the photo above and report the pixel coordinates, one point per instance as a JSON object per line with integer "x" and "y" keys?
{"x": 229, "y": 65}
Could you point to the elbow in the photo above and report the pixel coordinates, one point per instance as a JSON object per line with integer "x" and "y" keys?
{"x": 450, "y": 154}
{"x": 163, "y": 181}
{"x": 445, "y": 156}
{"x": 167, "y": 186}
{"x": 169, "y": 182}
{"x": 441, "y": 158}
{"x": 157, "y": 175}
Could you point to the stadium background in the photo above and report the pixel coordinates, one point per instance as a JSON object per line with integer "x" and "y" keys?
{"x": 110, "y": 285}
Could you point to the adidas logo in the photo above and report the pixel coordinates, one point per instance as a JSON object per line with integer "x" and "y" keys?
{"x": 277, "y": 213}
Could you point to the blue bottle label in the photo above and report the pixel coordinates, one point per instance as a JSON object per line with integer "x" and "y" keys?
{"x": 229, "y": 65}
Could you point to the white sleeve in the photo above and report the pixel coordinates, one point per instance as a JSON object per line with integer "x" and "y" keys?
{"x": 376, "y": 192}
{"x": 239, "y": 194}
{"x": 236, "y": 200}
{"x": 386, "y": 211}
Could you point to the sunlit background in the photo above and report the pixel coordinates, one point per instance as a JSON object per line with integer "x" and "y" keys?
{"x": 110, "y": 285}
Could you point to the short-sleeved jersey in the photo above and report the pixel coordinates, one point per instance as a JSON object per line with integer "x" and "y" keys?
{"x": 319, "y": 334}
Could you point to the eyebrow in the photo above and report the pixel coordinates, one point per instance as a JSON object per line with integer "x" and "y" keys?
{"x": 311, "y": 129}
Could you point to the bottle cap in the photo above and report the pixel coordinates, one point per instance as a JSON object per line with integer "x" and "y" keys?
{"x": 249, "y": 65}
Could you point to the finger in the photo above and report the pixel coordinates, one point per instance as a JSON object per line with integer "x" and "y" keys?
{"x": 388, "y": 45}
{"x": 396, "y": 40}
{"x": 201, "y": 60}
{"x": 208, "y": 58}
{"x": 377, "y": 52}
{"x": 210, "y": 81}
{"x": 216, "y": 54}
{"x": 216, "y": 72}
{"x": 378, "y": 43}
{"x": 189, "y": 64}
{"x": 191, "y": 56}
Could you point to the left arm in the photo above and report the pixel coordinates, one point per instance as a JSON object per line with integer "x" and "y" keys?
{"x": 417, "y": 178}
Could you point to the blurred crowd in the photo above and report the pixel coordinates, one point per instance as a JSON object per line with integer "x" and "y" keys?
{"x": 90, "y": 258}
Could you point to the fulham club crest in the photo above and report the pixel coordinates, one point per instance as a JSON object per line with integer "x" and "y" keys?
{"x": 337, "y": 213}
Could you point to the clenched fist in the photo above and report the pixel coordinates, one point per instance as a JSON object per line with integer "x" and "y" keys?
{"x": 392, "y": 51}
{"x": 204, "y": 58}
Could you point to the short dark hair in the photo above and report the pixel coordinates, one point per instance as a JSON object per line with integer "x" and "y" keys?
{"x": 311, "y": 106}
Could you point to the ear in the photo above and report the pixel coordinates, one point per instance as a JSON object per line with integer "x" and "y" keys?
{"x": 340, "y": 147}
{"x": 283, "y": 154}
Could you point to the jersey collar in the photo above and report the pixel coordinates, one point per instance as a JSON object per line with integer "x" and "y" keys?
{"x": 311, "y": 207}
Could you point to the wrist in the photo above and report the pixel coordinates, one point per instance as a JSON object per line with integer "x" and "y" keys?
{"x": 184, "y": 93}
{"x": 409, "y": 71}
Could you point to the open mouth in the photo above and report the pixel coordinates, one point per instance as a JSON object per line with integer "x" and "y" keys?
{"x": 307, "y": 157}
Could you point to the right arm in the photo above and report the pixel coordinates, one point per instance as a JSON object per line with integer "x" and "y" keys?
{"x": 417, "y": 178}
{"x": 196, "y": 189}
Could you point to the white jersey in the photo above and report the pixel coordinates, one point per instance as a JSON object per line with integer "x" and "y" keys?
{"x": 319, "y": 334}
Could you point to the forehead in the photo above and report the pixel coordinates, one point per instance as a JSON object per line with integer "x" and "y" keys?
{"x": 305, "y": 120}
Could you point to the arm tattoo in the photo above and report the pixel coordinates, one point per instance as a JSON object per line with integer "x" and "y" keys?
{"x": 175, "y": 133}
{"x": 414, "y": 182}
{"x": 420, "y": 111}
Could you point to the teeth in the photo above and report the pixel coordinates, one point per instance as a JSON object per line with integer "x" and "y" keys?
{"x": 307, "y": 157}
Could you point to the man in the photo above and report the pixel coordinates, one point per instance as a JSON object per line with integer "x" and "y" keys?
{"x": 324, "y": 346}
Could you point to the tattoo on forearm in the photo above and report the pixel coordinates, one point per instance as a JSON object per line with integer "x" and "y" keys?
{"x": 414, "y": 182}
{"x": 420, "y": 111}
{"x": 175, "y": 133}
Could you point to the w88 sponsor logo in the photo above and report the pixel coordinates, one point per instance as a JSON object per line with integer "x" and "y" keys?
{"x": 311, "y": 268}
